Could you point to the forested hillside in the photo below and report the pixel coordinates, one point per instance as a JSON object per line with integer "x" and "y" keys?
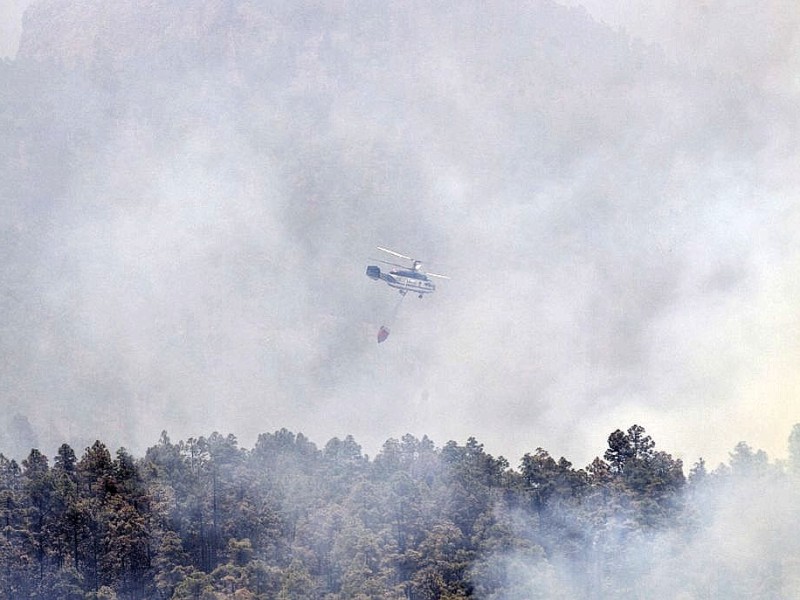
{"x": 189, "y": 194}
{"x": 204, "y": 518}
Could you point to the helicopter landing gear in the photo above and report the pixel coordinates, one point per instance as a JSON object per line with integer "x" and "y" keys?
{"x": 420, "y": 296}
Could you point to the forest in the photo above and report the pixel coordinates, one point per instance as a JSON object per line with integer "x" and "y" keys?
{"x": 204, "y": 518}
{"x": 190, "y": 193}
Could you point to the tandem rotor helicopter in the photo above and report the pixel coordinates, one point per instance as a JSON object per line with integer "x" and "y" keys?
{"x": 405, "y": 279}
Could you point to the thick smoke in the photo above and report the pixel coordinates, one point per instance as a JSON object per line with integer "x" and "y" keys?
{"x": 193, "y": 194}
{"x": 735, "y": 535}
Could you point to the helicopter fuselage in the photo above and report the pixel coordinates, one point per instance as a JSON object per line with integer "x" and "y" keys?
{"x": 403, "y": 280}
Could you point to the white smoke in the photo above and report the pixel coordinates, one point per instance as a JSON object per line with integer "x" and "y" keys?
{"x": 736, "y": 536}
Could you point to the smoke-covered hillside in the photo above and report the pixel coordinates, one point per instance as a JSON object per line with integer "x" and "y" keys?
{"x": 191, "y": 192}
{"x": 206, "y": 518}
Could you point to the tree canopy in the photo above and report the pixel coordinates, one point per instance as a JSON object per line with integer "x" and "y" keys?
{"x": 206, "y": 518}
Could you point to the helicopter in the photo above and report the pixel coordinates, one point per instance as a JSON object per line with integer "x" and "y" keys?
{"x": 404, "y": 279}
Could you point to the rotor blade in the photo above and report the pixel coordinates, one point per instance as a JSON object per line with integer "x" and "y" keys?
{"x": 386, "y": 262}
{"x": 397, "y": 254}
{"x": 437, "y": 275}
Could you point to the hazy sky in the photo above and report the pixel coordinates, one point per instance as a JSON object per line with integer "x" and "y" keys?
{"x": 613, "y": 192}
{"x": 11, "y": 25}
